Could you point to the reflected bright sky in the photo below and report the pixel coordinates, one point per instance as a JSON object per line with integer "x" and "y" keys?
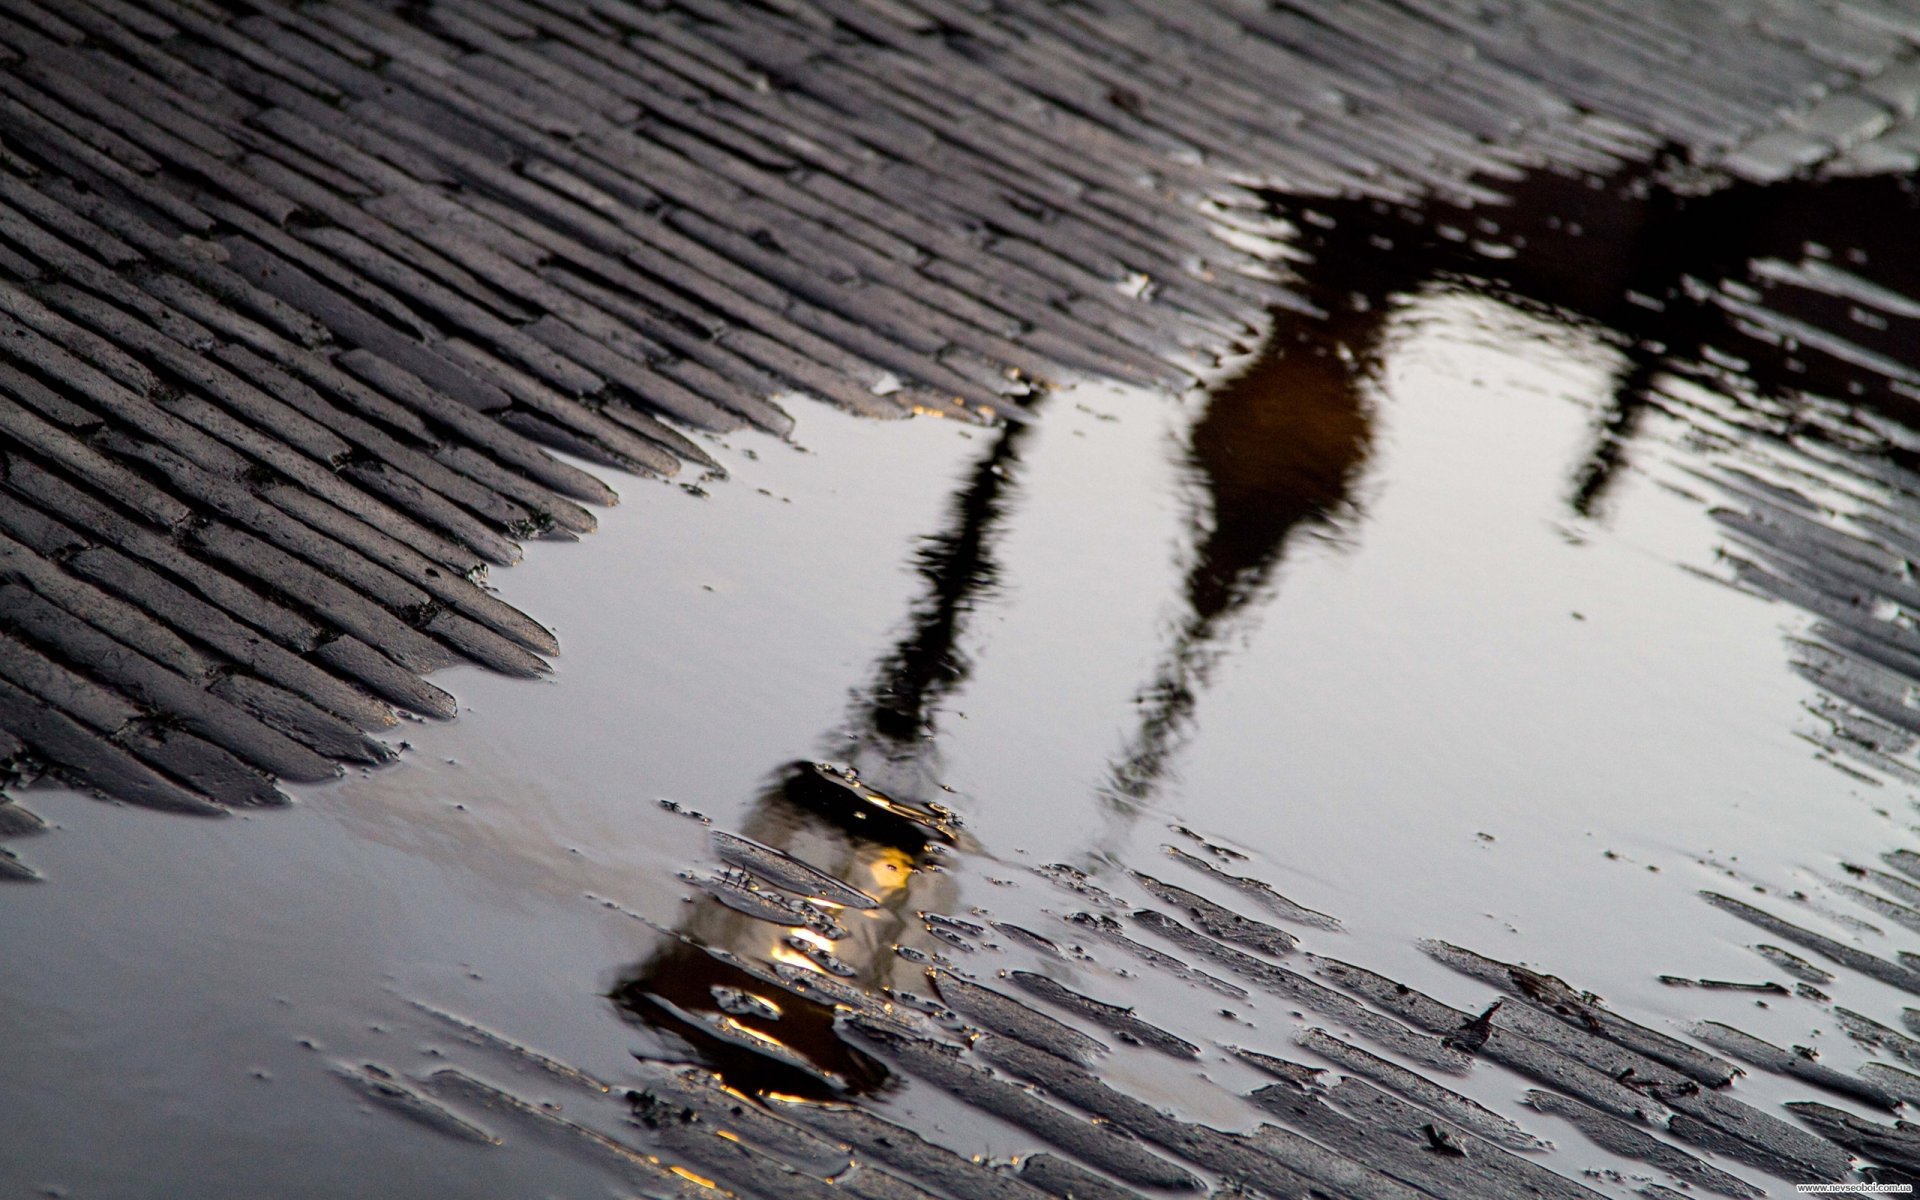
{"x": 1435, "y": 715}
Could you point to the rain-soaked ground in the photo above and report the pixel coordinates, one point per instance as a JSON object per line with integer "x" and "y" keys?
{"x": 1438, "y": 618}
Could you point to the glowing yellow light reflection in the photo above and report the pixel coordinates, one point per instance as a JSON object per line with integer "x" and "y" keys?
{"x": 702, "y": 1180}
{"x": 793, "y": 958}
{"x": 751, "y": 1034}
{"x": 889, "y": 870}
{"x": 803, "y": 934}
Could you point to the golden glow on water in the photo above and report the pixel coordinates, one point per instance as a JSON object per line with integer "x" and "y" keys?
{"x": 748, "y": 1032}
{"x": 781, "y": 953}
{"x": 890, "y": 870}
{"x": 702, "y": 1180}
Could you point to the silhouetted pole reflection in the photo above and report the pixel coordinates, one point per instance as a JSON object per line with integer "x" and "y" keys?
{"x": 1274, "y": 455}
{"x": 1639, "y": 262}
{"x": 1275, "y": 451}
{"x": 894, "y": 730}
{"x": 875, "y": 825}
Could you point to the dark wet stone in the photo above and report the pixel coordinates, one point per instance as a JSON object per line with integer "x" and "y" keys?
{"x": 1070, "y": 1181}
{"x": 1078, "y": 882}
{"x": 1896, "y": 1145}
{"x": 1295, "y": 987}
{"x": 741, "y": 1003}
{"x": 1220, "y": 922}
{"x": 385, "y": 1089}
{"x": 1121, "y": 1022}
{"x": 1472, "y": 1034}
{"x": 783, "y": 870}
{"x": 1285, "y": 1164}
{"x": 1907, "y": 862}
{"x": 1893, "y": 1081}
{"x": 1457, "y": 1109}
{"x": 1797, "y": 1161}
{"x": 1898, "y": 886}
{"x": 942, "y": 1066}
{"x": 1406, "y": 1142}
{"x": 16, "y": 821}
{"x": 905, "y": 1150}
{"x": 1900, "y": 914}
{"x": 953, "y": 932}
{"x": 1029, "y": 938}
{"x": 152, "y": 684}
{"x": 1003, "y": 1014}
{"x": 1849, "y": 956}
{"x": 717, "y": 1149}
{"x": 820, "y": 956}
{"x": 1798, "y": 1062}
{"x": 13, "y": 870}
{"x": 92, "y": 760}
{"x": 1515, "y": 1050}
{"x": 515, "y": 1053}
{"x": 1870, "y": 1032}
{"x": 739, "y": 892}
{"x": 1584, "y": 1010}
{"x": 1724, "y": 985}
{"x": 1261, "y": 892}
{"x": 871, "y": 1183}
{"x": 1634, "y": 1142}
{"x": 624, "y": 1163}
{"x": 1108, "y": 929}
{"x": 673, "y": 1092}
{"x": 1298, "y": 1074}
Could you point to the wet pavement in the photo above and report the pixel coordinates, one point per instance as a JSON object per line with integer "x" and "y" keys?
{"x": 1435, "y": 616}
{"x": 1081, "y": 788}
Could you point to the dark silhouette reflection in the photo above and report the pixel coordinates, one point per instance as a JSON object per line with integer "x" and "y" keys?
{"x": 1275, "y": 451}
{"x": 758, "y": 1038}
{"x": 1795, "y": 308}
{"x": 873, "y": 823}
{"x": 1272, "y": 451}
{"x": 1667, "y": 277}
{"x": 894, "y": 721}
{"x": 1273, "y": 455}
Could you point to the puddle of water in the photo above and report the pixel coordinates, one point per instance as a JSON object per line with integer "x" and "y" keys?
{"x": 1370, "y": 616}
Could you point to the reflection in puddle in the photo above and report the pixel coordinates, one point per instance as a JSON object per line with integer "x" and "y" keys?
{"x": 772, "y": 1039}
{"x": 1434, "y": 538}
{"x": 1273, "y": 454}
{"x": 1771, "y": 324}
{"x": 1625, "y": 297}
{"x": 875, "y": 824}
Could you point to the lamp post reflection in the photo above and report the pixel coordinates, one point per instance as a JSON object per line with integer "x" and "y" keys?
{"x": 1274, "y": 455}
{"x": 875, "y": 824}
{"x": 1273, "y": 451}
